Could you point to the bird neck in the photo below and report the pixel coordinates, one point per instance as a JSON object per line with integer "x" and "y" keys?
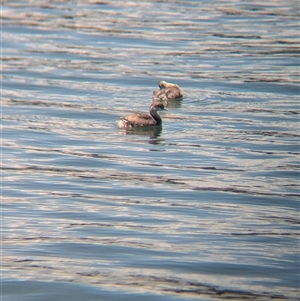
{"x": 155, "y": 115}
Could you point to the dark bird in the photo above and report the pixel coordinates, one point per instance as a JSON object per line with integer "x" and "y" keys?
{"x": 143, "y": 119}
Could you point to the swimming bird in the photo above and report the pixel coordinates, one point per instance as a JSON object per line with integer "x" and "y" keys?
{"x": 167, "y": 92}
{"x": 143, "y": 119}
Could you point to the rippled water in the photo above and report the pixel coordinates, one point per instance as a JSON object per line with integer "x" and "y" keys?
{"x": 206, "y": 208}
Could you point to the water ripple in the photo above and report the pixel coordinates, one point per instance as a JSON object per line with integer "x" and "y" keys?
{"x": 206, "y": 206}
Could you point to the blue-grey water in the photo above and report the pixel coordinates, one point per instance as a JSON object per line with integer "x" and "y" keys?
{"x": 207, "y": 208}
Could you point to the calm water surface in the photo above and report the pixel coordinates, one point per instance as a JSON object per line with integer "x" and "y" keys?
{"x": 207, "y": 208}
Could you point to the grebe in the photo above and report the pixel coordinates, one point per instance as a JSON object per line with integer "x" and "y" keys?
{"x": 143, "y": 119}
{"x": 167, "y": 92}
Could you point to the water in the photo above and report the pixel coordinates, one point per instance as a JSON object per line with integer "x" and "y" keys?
{"x": 205, "y": 209}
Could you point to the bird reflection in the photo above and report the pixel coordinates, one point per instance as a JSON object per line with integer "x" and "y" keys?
{"x": 174, "y": 103}
{"x": 152, "y": 132}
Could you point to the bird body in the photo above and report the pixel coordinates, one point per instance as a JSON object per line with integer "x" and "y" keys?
{"x": 143, "y": 119}
{"x": 167, "y": 92}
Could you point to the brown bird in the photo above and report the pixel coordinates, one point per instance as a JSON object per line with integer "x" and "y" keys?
{"x": 167, "y": 92}
{"x": 143, "y": 119}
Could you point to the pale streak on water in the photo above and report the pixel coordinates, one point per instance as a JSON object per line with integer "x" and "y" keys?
{"x": 206, "y": 209}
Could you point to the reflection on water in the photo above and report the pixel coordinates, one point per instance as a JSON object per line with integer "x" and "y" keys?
{"x": 174, "y": 103}
{"x": 206, "y": 206}
{"x": 152, "y": 132}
